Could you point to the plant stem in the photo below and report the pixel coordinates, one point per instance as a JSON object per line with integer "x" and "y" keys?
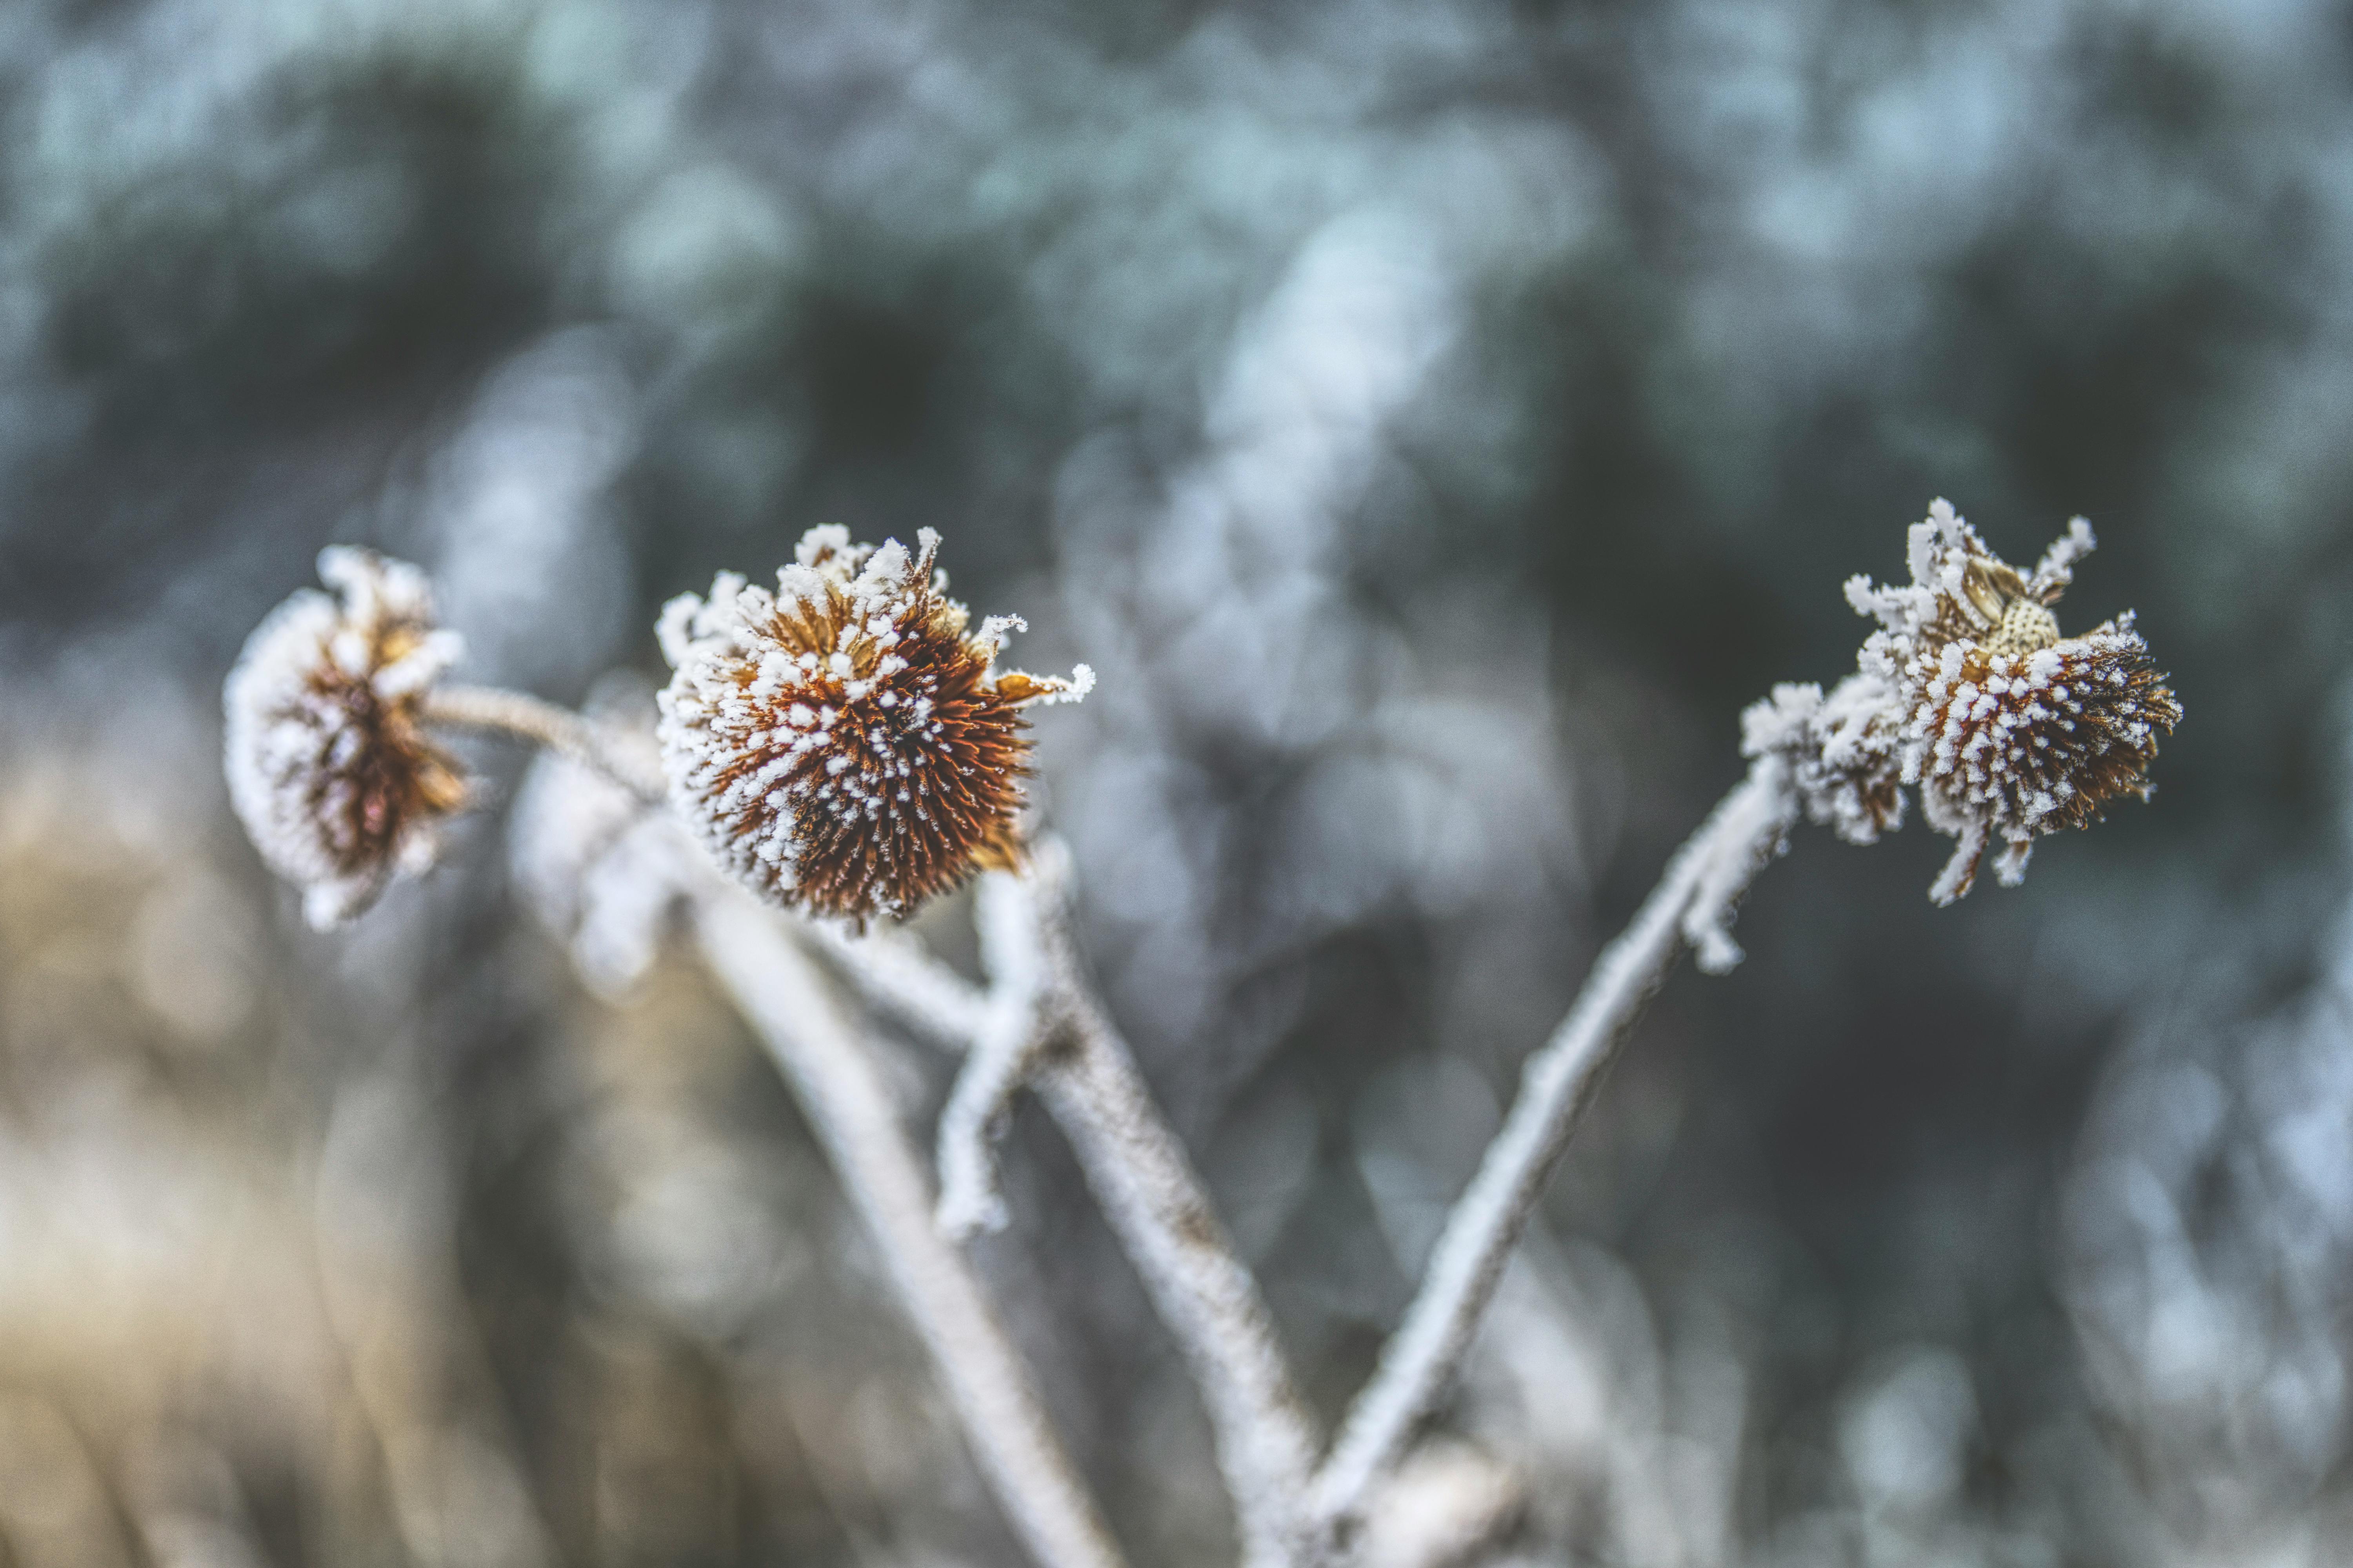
{"x": 1207, "y": 1296}
{"x": 1147, "y": 1187}
{"x": 1712, "y": 868}
{"x": 526, "y": 718}
{"x": 1004, "y": 1054}
{"x": 832, "y": 1077}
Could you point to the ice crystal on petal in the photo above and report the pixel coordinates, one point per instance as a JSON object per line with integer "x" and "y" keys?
{"x": 845, "y": 743}
{"x": 328, "y": 762}
{"x": 2008, "y": 729}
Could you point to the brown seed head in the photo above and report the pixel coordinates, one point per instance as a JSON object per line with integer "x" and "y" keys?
{"x": 329, "y": 764}
{"x": 2033, "y": 744}
{"x": 844, "y": 745}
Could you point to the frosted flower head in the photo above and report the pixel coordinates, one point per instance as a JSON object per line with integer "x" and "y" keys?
{"x": 2008, "y": 729}
{"x": 845, "y": 743}
{"x": 329, "y": 766}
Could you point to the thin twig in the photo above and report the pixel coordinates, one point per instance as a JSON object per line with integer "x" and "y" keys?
{"x": 526, "y": 718}
{"x": 846, "y": 1102}
{"x": 1558, "y": 1082}
{"x": 1155, "y": 1202}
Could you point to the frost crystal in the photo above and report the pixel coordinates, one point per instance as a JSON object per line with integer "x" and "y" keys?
{"x": 2008, "y": 728}
{"x": 600, "y": 868}
{"x": 1842, "y": 750}
{"x": 329, "y": 766}
{"x": 844, "y": 743}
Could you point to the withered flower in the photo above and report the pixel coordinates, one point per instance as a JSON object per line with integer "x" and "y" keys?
{"x": 328, "y": 762}
{"x": 844, "y": 745}
{"x": 2008, "y": 728}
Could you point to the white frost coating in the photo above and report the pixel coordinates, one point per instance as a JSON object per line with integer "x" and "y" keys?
{"x": 1154, "y": 1201}
{"x": 306, "y": 705}
{"x": 1555, "y": 1084}
{"x": 2057, "y": 567}
{"x": 1003, "y": 1050}
{"x": 1054, "y": 689}
{"x": 892, "y": 970}
{"x": 1841, "y": 750}
{"x": 1752, "y": 828}
{"x": 600, "y": 869}
{"x": 848, "y": 1105}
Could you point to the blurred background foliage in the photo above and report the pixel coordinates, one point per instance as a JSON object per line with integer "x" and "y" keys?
{"x": 1435, "y": 420}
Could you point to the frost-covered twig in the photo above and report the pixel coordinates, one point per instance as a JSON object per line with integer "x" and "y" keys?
{"x": 1143, "y": 1179}
{"x": 1691, "y": 902}
{"x": 1005, "y": 1048}
{"x": 851, "y": 1112}
{"x": 1150, "y": 1193}
{"x": 545, "y": 724}
{"x": 892, "y": 970}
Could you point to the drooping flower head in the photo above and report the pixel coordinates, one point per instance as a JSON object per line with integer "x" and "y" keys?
{"x": 329, "y": 766}
{"x": 2007, "y": 728}
{"x": 845, "y": 743}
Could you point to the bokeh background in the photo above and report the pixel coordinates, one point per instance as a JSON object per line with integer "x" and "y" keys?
{"x": 1434, "y": 419}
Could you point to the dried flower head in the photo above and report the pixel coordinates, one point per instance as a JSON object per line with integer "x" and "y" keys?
{"x": 844, "y": 743}
{"x": 329, "y": 764}
{"x": 2008, "y": 728}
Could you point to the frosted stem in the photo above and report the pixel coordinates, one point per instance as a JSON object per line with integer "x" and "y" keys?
{"x": 1153, "y": 1199}
{"x": 1005, "y": 1048}
{"x": 1148, "y": 1190}
{"x": 1558, "y": 1082}
{"x": 526, "y": 718}
{"x": 847, "y": 1105}
{"x": 892, "y": 971}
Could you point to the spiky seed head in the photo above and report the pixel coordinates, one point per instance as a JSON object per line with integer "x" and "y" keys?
{"x": 845, "y": 743}
{"x": 329, "y": 764}
{"x": 2008, "y": 729}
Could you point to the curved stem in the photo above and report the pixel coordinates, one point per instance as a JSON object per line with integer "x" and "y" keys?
{"x": 1557, "y": 1083}
{"x": 1005, "y": 1051}
{"x": 526, "y": 718}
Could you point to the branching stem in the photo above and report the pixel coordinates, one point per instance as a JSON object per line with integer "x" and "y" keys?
{"x": 1140, "y": 1175}
{"x": 1143, "y": 1179}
